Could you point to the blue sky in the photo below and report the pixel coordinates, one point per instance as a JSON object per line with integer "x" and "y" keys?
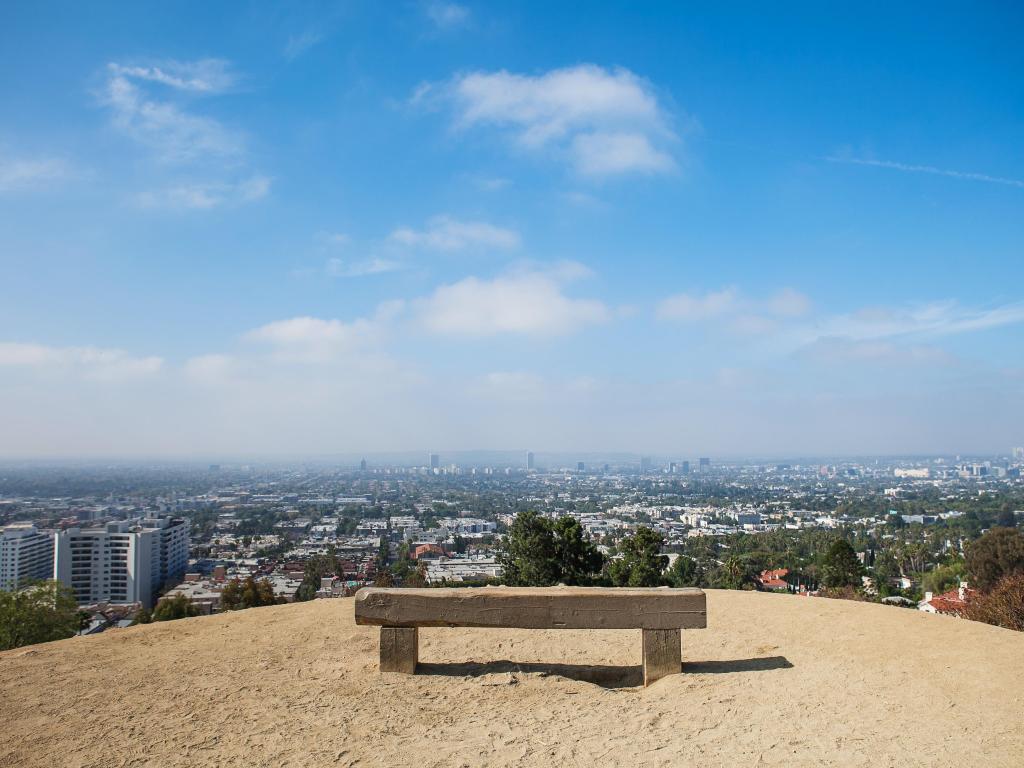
{"x": 732, "y": 229}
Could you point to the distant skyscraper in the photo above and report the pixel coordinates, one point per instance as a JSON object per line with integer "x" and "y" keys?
{"x": 25, "y": 555}
{"x": 686, "y": 467}
{"x": 672, "y": 468}
{"x": 645, "y": 464}
{"x": 579, "y": 466}
{"x": 705, "y": 464}
{"x": 435, "y": 461}
{"x": 362, "y": 465}
{"x": 529, "y": 459}
{"x": 1018, "y": 453}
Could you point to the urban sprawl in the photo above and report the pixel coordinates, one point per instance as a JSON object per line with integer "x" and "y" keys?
{"x": 124, "y": 538}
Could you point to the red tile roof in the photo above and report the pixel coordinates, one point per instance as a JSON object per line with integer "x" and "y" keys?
{"x": 951, "y": 602}
{"x": 774, "y": 579}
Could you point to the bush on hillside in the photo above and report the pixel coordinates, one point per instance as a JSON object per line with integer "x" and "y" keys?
{"x": 1003, "y": 606}
{"x": 998, "y": 553}
{"x": 173, "y": 608}
{"x": 39, "y": 613}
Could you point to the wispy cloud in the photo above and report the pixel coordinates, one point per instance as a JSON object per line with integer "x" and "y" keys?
{"x": 26, "y": 172}
{"x": 832, "y": 349}
{"x": 446, "y": 15}
{"x": 336, "y": 267}
{"x": 444, "y": 233}
{"x": 736, "y": 311}
{"x": 172, "y": 133}
{"x": 909, "y": 168}
{"x": 604, "y": 121}
{"x": 151, "y": 105}
{"x": 205, "y": 196}
{"x": 934, "y": 319}
{"x": 202, "y": 76}
{"x": 92, "y": 362}
{"x": 302, "y": 42}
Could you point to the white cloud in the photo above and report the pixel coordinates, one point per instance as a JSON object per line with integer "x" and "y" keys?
{"x": 447, "y": 15}
{"x": 739, "y": 313}
{"x": 934, "y": 319}
{"x": 509, "y": 384}
{"x": 25, "y": 172}
{"x": 91, "y": 362}
{"x": 605, "y": 154}
{"x": 685, "y": 306}
{"x": 311, "y": 339}
{"x": 524, "y": 303}
{"x": 492, "y": 184}
{"x": 174, "y": 135}
{"x": 211, "y": 369}
{"x": 832, "y": 349}
{"x": 333, "y": 239}
{"x": 336, "y": 267}
{"x": 201, "y": 76}
{"x": 443, "y": 233}
{"x": 299, "y": 44}
{"x": 205, "y": 196}
{"x": 789, "y": 303}
{"x": 583, "y": 111}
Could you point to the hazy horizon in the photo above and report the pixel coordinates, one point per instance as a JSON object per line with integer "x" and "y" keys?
{"x": 726, "y": 231}
{"x": 468, "y": 458}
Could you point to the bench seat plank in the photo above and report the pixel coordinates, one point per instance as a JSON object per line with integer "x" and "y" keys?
{"x": 534, "y": 607}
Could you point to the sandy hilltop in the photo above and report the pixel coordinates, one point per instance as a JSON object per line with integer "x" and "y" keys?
{"x": 774, "y": 680}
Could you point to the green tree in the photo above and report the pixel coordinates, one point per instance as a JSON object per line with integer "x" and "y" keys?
{"x": 538, "y": 552}
{"x": 578, "y": 559}
{"x": 1006, "y": 517}
{"x": 38, "y": 613}
{"x": 734, "y": 573}
{"x": 840, "y": 566}
{"x": 143, "y": 616}
{"x": 383, "y": 554}
{"x": 529, "y": 557}
{"x": 417, "y": 578}
{"x": 943, "y": 578}
{"x": 172, "y": 608}
{"x": 686, "y": 572}
{"x": 317, "y": 568}
{"x": 238, "y": 595}
{"x": 998, "y": 553}
{"x": 642, "y": 563}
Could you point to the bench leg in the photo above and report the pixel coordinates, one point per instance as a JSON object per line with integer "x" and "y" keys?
{"x": 399, "y": 649}
{"x": 662, "y": 650}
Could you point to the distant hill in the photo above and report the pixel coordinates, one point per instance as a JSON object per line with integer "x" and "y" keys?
{"x": 774, "y": 680}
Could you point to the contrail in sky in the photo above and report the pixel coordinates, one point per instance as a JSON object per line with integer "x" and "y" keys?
{"x": 929, "y": 169}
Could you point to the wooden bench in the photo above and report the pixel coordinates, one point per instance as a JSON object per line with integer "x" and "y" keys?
{"x": 659, "y": 612}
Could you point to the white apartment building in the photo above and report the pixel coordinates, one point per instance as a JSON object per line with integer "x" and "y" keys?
{"x": 125, "y": 561}
{"x": 25, "y": 554}
{"x": 456, "y": 569}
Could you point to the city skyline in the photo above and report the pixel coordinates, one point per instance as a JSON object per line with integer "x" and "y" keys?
{"x": 731, "y": 232}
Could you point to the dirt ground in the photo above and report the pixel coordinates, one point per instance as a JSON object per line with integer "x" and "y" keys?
{"x": 774, "y": 680}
